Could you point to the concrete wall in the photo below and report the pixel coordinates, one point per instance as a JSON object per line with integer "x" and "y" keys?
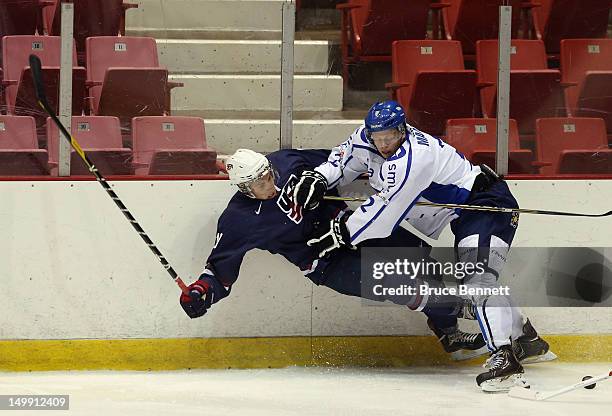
{"x": 73, "y": 268}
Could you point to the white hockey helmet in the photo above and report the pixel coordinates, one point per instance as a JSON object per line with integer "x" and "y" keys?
{"x": 245, "y": 167}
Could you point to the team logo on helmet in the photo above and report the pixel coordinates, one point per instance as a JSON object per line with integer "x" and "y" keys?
{"x": 229, "y": 166}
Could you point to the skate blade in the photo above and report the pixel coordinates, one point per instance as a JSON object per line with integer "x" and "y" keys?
{"x": 462, "y": 355}
{"x": 504, "y": 384}
{"x": 548, "y": 356}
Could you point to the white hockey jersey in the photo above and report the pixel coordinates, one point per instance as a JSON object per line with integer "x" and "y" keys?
{"x": 424, "y": 168}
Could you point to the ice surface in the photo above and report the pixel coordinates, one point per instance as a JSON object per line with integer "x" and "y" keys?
{"x": 415, "y": 391}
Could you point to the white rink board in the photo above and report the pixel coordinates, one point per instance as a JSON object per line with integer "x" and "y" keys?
{"x": 74, "y": 268}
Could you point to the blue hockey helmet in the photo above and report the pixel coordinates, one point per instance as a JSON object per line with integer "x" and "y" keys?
{"x": 385, "y": 115}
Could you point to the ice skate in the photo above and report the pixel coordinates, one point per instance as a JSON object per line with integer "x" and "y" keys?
{"x": 504, "y": 371}
{"x": 460, "y": 345}
{"x": 530, "y": 348}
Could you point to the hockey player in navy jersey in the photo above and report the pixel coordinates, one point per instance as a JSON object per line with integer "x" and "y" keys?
{"x": 410, "y": 166}
{"x": 263, "y": 215}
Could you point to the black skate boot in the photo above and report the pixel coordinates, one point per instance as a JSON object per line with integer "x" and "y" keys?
{"x": 504, "y": 371}
{"x": 530, "y": 348}
{"x": 460, "y": 345}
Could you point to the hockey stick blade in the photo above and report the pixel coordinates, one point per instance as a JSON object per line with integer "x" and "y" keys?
{"x": 530, "y": 394}
{"x": 480, "y": 208}
{"x": 37, "y": 77}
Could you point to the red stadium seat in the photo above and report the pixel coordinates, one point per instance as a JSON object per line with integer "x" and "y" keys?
{"x": 431, "y": 82}
{"x": 100, "y": 138}
{"x": 369, "y": 27}
{"x": 19, "y": 152}
{"x": 171, "y": 146}
{"x": 476, "y": 138}
{"x": 535, "y": 91}
{"x": 19, "y": 88}
{"x": 125, "y": 78}
{"x": 91, "y": 18}
{"x": 20, "y": 18}
{"x": 586, "y": 69}
{"x": 471, "y": 20}
{"x": 555, "y": 20}
{"x": 572, "y": 145}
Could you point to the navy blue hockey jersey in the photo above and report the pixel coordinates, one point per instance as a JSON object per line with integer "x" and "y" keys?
{"x": 275, "y": 225}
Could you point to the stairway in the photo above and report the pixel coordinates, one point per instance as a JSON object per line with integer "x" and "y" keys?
{"x": 227, "y": 54}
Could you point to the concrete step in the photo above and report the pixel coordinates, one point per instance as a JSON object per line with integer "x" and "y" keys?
{"x": 246, "y": 15}
{"x": 240, "y": 56}
{"x": 228, "y": 135}
{"x": 255, "y": 92}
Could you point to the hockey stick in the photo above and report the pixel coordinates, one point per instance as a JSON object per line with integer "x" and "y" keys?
{"x": 42, "y": 101}
{"x": 528, "y": 394}
{"x": 480, "y": 208}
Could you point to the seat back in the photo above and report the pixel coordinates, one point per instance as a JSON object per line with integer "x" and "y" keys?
{"x": 91, "y": 18}
{"x": 165, "y": 132}
{"x": 471, "y": 20}
{"x": 92, "y": 132}
{"x": 377, "y": 23}
{"x": 411, "y": 56}
{"x": 19, "y": 17}
{"x": 554, "y": 135}
{"x": 17, "y": 133}
{"x": 572, "y": 19}
{"x": 104, "y": 52}
{"x": 579, "y": 56}
{"x": 17, "y": 49}
{"x": 525, "y": 55}
{"x": 470, "y": 134}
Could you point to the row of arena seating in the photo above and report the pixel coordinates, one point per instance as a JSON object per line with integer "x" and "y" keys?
{"x": 161, "y": 145}
{"x": 430, "y": 80}
{"x": 122, "y": 77}
{"x": 369, "y": 27}
{"x": 177, "y": 145}
{"x": 91, "y": 18}
{"x": 562, "y": 145}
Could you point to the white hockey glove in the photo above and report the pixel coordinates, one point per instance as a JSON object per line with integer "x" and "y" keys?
{"x": 310, "y": 189}
{"x": 328, "y": 238}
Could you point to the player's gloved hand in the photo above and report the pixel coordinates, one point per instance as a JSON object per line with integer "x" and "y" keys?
{"x": 199, "y": 299}
{"x": 331, "y": 236}
{"x": 310, "y": 189}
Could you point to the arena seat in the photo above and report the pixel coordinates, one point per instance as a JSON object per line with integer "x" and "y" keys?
{"x": 19, "y": 151}
{"x": 125, "y": 79}
{"x": 91, "y": 18}
{"x": 100, "y": 138}
{"x": 555, "y": 20}
{"x": 370, "y": 26}
{"x": 20, "y": 18}
{"x": 535, "y": 90}
{"x": 171, "y": 146}
{"x": 430, "y": 80}
{"x": 476, "y": 139}
{"x": 468, "y": 21}
{"x": 586, "y": 70}
{"x": 19, "y": 88}
{"x": 572, "y": 145}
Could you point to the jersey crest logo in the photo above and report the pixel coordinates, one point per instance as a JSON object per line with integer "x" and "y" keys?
{"x": 285, "y": 200}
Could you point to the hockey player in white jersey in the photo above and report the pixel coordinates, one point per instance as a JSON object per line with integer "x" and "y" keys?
{"x": 404, "y": 166}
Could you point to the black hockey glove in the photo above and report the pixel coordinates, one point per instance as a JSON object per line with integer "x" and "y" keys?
{"x": 331, "y": 236}
{"x": 202, "y": 294}
{"x": 310, "y": 189}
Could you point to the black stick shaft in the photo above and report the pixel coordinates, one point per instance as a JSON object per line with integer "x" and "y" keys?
{"x": 42, "y": 101}
{"x": 482, "y": 208}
